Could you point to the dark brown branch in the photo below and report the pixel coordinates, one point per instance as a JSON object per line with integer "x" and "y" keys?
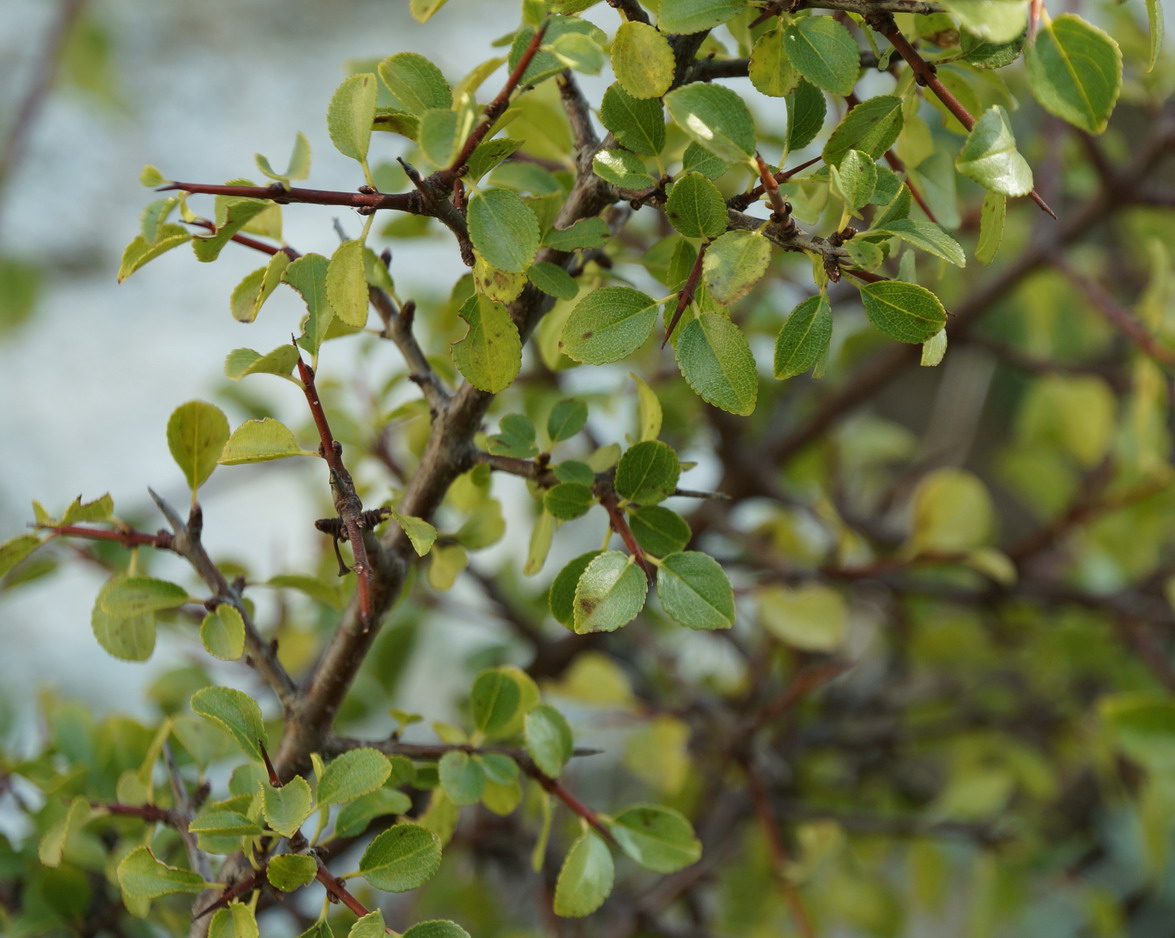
{"x": 526, "y": 468}
{"x": 780, "y": 860}
{"x": 631, "y": 10}
{"x": 337, "y": 889}
{"x": 578, "y": 111}
{"x": 398, "y": 328}
{"x": 346, "y": 499}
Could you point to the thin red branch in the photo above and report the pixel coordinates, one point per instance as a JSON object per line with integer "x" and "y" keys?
{"x": 687, "y": 292}
{"x": 347, "y": 501}
{"x": 338, "y": 890}
{"x": 248, "y": 242}
{"x": 148, "y": 812}
{"x": 560, "y": 791}
{"x": 620, "y": 526}
{"x": 369, "y": 200}
{"x": 241, "y": 888}
{"x": 925, "y": 73}
{"x": 162, "y": 540}
{"x": 495, "y": 108}
{"x": 780, "y": 860}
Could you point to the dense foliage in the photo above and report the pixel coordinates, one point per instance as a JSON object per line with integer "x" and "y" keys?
{"x": 804, "y": 638}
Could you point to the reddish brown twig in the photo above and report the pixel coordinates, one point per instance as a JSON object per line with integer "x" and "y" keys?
{"x": 248, "y": 242}
{"x": 620, "y": 526}
{"x": 495, "y": 108}
{"x": 148, "y": 812}
{"x": 560, "y": 791}
{"x": 369, "y": 200}
{"x": 162, "y": 540}
{"x": 347, "y": 501}
{"x": 338, "y": 891}
{"x": 780, "y": 860}
{"x": 245, "y": 886}
{"x": 741, "y": 201}
{"x": 925, "y": 74}
{"x": 687, "y": 292}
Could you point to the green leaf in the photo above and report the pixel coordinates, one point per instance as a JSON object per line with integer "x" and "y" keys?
{"x": 569, "y": 500}
{"x": 658, "y": 838}
{"x": 609, "y": 593}
{"x": 579, "y": 52}
{"x": 355, "y": 816}
{"x": 15, "y": 549}
{"x": 697, "y": 159}
{"x": 401, "y": 858}
{"x": 993, "y": 20}
{"x": 251, "y": 293}
{"x": 222, "y": 633}
{"x": 352, "y": 775}
{"x": 346, "y": 284}
{"x": 982, "y": 53}
{"x": 490, "y": 354}
{"x": 498, "y": 701}
{"x": 854, "y": 179}
{"x": 143, "y": 877}
{"x": 299, "y": 164}
{"x": 991, "y": 226}
{"x": 151, "y": 177}
{"x": 439, "y": 136}
{"x": 236, "y": 920}
{"x": 371, "y": 925}
{"x": 585, "y": 233}
{"x": 1075, "y": 72}
{"x": 695, "y": 591}
{"x": 990, "y": 156}
{"x": 1154, "y": 16}
{"x": 421, "y": 534}
{"x": 350, "y": 113}
{"x": 219, "y": 823}
{"x": 436, "y": 928}
{"x": 196, "y": 433}
{"x": 128, "y": 638}
{"x": 608, "y": 325}
{"x": 622, "y": 169}
{"x": 140, "y": 252}
{"x": 288, "y": 871}
{"x": 546, "y": 63}
{"x": 1143, "y": 726}
{"x": 903, "y": 311}
{"x": 733, "y": 264}
{"x": 642, "y": 60}
{"x": 260, "y": 440}
{"x": 696, "y": 208}
{"x": 871, "y": 127}
{"x": 286, "y": 808}
{"x": 694, "y": 16}
{"x": 770, "y": 70}
{"x": 953, "y": 513}
{"x": 503, "y": 229}
{"x": 658, "y": 530}
{"x": 415, "y": 82}
{"x": 548, "y": 740}
{"x": 100, "y": 509}
{"x": 489, "y": 154}
{"x": 806, "y": 109}
{"x": 553, "y": 280}
{"x": 716, "y": 118}
{"x": 824, "y": 52}
{"x": 716, "y": 361}
{"x": 238, "y": 214}
{"x": 566, "y": 419}
{"x": 561, "y": 597}
{"x": 462, "y": 777}
{"x": 586, "y": 877}
{"x": 51, "y": 849}
{"x": 929, "y": 237}
{"x": 245, "y": 361}
{"x": 811, "y": 618}
{"x": 235, "y": 712}
{"x": 422, "y": 10}
{"x": 804, "y": 337}
{"x": 647, "y": 472}
{"x": 307, "y": 275}
{"x": 126, "y": 596}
